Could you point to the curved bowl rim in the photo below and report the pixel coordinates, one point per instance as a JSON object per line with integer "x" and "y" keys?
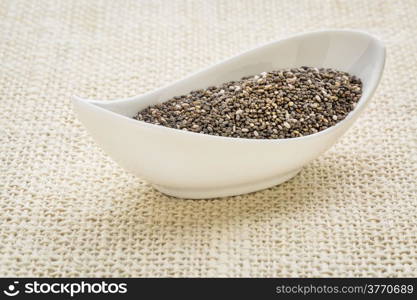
{"x": 360, "y": 104}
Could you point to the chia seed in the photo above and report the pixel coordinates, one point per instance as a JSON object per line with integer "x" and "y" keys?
{"x": 279, "y": 104}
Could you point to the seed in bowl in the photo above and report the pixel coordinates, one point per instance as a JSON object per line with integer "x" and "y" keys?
{"x": 279, "y": 104}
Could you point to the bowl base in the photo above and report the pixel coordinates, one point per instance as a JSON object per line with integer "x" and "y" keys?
{"x": 215, "y": 192}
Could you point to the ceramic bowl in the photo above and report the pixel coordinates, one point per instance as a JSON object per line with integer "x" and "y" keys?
{"x": 194, "y": 165}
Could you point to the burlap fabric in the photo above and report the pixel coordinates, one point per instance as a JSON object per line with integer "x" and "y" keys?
{"x": 66, "y": 209}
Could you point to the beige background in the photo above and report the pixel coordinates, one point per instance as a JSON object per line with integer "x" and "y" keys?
{"x": 66, "y": 209}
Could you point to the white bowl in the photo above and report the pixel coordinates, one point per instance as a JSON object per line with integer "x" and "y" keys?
{"x": 194, "y": 165}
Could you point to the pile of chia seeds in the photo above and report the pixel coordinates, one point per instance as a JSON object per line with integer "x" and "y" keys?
{"x": 272, "y": 105}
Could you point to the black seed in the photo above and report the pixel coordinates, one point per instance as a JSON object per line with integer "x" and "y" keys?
{"x": 279, "y": 104}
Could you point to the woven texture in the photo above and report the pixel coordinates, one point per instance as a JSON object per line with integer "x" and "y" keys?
{"x": 66, "y": 209}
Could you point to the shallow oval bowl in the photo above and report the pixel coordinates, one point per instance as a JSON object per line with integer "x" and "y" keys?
{"x": 193, "y": 165}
